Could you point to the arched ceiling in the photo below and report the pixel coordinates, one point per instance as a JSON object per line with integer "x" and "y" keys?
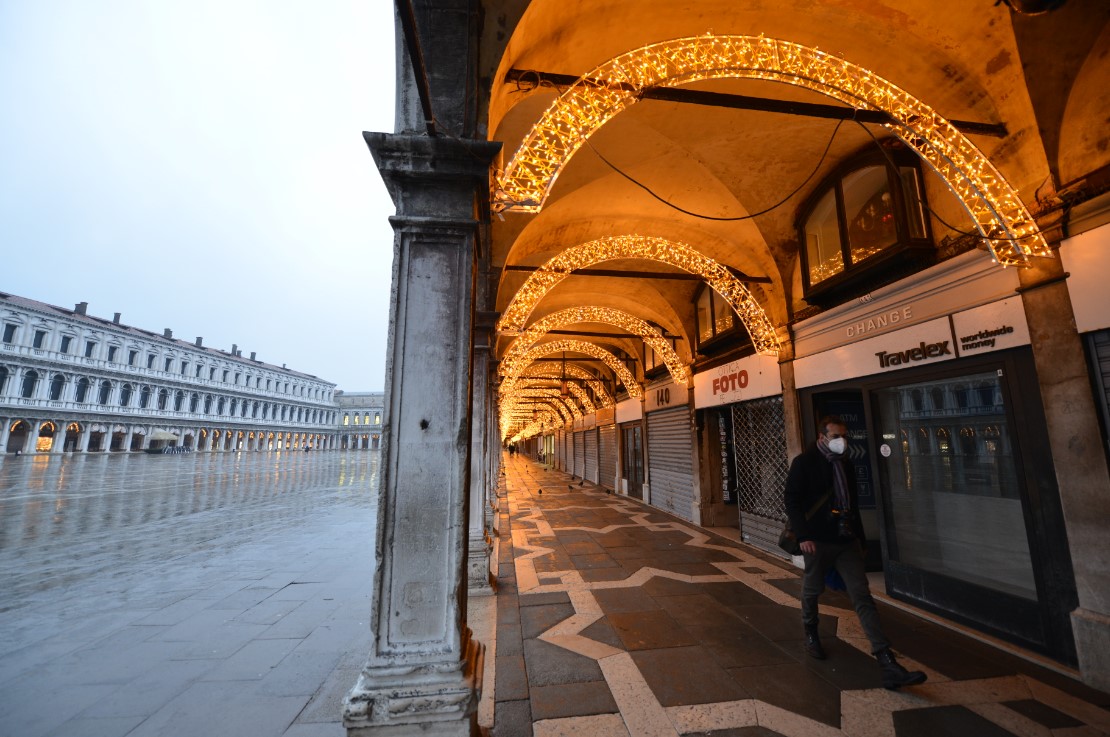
{"x": 962, "y": 59}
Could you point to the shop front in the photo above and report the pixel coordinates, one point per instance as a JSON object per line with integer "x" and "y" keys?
{"x": 630, "y": 426}
{"x": 938, "y": 387}
{"x": 672, "y": 467}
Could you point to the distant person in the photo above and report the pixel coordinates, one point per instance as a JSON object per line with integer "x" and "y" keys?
{"x": 822, "y": 505}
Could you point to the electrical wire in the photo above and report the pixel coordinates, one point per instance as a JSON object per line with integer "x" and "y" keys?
{"x": 764, "y": 211}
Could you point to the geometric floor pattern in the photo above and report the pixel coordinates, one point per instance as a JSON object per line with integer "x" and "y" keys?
{"x": 618, "y": 620}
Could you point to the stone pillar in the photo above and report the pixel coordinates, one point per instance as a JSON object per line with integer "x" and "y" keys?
{"x": 145, "y": 443}
{"x": 83, "y": 439}
{"x": 424, "y": 670}
{"x": 32, "y": 435}
{"x": 481, "y": 543}
{"x": 1077, "y": 456}
{"x": 5, "y": 433}
{"x": 127, "y": 439}
{"x": 59, "y": 444}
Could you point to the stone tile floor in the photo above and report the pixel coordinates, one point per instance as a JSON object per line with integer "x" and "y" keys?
{"x": 615, "y": 619}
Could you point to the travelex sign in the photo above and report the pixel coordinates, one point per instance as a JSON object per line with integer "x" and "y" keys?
{"x": 749, "y": 378}
{"x": 990, "y": 327}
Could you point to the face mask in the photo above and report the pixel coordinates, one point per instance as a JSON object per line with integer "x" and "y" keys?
{"x": 838, "y": 445}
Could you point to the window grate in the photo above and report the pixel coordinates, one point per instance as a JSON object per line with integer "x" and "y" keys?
{"x": 759, "y": 441}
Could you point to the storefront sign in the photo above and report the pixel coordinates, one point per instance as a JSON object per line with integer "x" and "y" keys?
{"x": 749, "y": 378}
{"x": 991, "y": 327}
{"x": 664, "y": 396}
{"x": 928, "y": 342}
{"x": 630, "y": 410}
{"x": 605, "y": 416}
{"x": 585, "y": 422}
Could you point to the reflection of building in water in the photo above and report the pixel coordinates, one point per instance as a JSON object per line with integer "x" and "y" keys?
{"x": 71, "y": 381}
{"x": 360, "y": 419}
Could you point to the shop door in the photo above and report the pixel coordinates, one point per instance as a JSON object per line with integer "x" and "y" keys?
{"x": 589, "y": 439}
{"x": 578, "y": 441}
{"x": 632, "y": 460}
{"x": 607, "y": 456}
{"x": 670, "y": 461}
{"x": 962, "y": 534}
{"x": 759, "y": 448}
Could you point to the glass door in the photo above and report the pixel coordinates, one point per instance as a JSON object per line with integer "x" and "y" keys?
{"x": 953, "y": 498}
{"x": 632, "y": 460}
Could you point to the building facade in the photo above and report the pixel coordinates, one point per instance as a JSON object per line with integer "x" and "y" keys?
{"x": 74, "y": 382}
{"x": 709, "y": 226}
{"x": 360, "y": 419}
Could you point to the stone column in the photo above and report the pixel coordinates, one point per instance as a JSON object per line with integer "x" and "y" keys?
{"x": 83, "y": 439}
{"x": 127, "y": 439}
{"x": 145, "y": 442}
{"x": 59, "y": 444}
{"x": 5, "y": 432}
{"x": 1078, "y": 458}
{"x": 424, "y": 670}
{"x": 481, "y": 542}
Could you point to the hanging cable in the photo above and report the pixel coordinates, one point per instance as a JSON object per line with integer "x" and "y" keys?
{"x": 764, "y": 211}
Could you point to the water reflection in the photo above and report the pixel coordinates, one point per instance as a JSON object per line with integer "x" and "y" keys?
{"x": 66, "y": 517}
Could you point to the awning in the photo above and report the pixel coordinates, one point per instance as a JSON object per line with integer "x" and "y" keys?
{"x": 162, "y": 435}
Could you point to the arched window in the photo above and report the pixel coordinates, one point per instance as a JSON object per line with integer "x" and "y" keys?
{"x": 366, "y": 418}
{"x": 207, "y": 404}
{"x": 234, "y": 406}
{"x": 163, "y": 399}
{"x": 254, "y": 410}
{"x": 3, "y": 378}
{"x": 194, "y": 402}
{"x": 356, "y": 418}
{"x": 377, "y": 418}
{"x": 924, "y": 441}
{"x": 992, "y": 440}
{"x": 346, "y": 419}
{"x": 144, "y": 397}
{"x": 105, "y": 392}
{"x": 244, "y": 408}
{"x": 968, "y": 446}
{"x": 56, "y": 387}
{"x": 917, "y": 400}
{"x": 178, "y": 400}
{"x": 82, "y": 392}
{"x": 220, "y": 405}
{"x": 30, "y": 381}
{"x": 125, "y": 395}
{"x": 944, "y": 445}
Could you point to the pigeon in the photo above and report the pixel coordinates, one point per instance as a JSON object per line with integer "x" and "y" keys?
{"x": 540, "y": 491}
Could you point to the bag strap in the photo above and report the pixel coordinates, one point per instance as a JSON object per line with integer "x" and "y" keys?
{"x": 818, "y": 504}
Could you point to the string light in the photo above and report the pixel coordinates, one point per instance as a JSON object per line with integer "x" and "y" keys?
{"x": 999, "y": 214}
{"x": 570, "y": 316}
{"x": 525, "y": 393}
{"x": 575, "y": 372}
{"x": 651, "y": 248}
{"x": 579, "y": 393}
{"x": 578, "y": 346}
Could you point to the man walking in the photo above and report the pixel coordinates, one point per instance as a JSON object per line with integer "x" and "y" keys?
{"x": 822, "y": 507}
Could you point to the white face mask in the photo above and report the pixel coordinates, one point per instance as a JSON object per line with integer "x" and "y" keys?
{"x": 838, "y": 445}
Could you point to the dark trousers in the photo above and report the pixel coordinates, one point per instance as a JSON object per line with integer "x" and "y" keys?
{"x": 848, "y": 561}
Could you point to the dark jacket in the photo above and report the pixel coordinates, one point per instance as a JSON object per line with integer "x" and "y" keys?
{"x": 811, "y": 476}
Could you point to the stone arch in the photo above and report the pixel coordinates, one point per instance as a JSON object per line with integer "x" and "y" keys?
{"x": 607, "y": 315}
{"x": 650, "y": 248}
{"x": 999, "y": 214}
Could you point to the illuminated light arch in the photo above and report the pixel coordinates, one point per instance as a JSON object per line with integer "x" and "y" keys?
{"x": 574, "y": 372}
{"x": 578, "y": 392}
{"x": 607, "y": 315}
{"x": 526, "y": 393}
{"x": 650, "y": 248}
{"x": 514, "y": 402}
{"x": 580, "y": 346}
{"x": 999, "y": 214}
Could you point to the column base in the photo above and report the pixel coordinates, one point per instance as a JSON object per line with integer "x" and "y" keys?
{"x": 1092, "y": 647}
{"x": 438, "y": 700}
{"x": 479, "y": 565}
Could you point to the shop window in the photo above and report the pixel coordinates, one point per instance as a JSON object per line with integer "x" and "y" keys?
{"x": 865, "y": 219}
{"x": 82, "y": 392}
{"x": 9, "y": 333}
{"x": 39, "y": 339}
{"x": 90, "y": 348}
{"x": 717, "y": 324}
{"x": 112, "y": 351}
{"x": 66, "y": 343}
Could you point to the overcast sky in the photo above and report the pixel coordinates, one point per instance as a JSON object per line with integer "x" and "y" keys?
{"x": 200, "y": 166}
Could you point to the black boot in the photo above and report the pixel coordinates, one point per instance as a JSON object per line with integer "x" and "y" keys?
{"x": 894, "y": 675}
{"x": 813, "y": 644}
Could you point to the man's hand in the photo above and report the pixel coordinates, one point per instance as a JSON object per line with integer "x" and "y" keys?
{"x": 808, "y": 547}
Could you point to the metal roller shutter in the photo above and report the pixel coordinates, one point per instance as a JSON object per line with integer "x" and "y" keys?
{"x": 578, "y": 455}
{"x": 759, "y": 439}
{"x": 670, "y": 456}
{"x": 560, "y": 450}
{"x": 608, "y": 457}
{"x": 1099, "y": 343}
{"x": 589, "y": 438}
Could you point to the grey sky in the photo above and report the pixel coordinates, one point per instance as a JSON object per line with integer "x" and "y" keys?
{"x": 200, "y": 166}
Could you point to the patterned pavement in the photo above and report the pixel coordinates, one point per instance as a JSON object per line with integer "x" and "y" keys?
{"x": 616, "y": 619}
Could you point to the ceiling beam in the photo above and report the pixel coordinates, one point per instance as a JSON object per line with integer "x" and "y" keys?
{"x": 747, "y": 102}
{"x": 623, "y": 274}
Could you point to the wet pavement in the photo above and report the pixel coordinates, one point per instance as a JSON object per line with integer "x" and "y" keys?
{"x": 195, "y": 594}
{"x": 617, "y": 620}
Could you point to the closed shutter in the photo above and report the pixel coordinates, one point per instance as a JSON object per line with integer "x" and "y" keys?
{"x": 589, "y": 438}
{"x": 670, "y": 461}
{"x": 1100, "y": 355}
{"x": 560, "y": 450}
{"x": 608, "y": 457}
{"x": 577, "y": 455}
{"x": 759, "y": 440}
